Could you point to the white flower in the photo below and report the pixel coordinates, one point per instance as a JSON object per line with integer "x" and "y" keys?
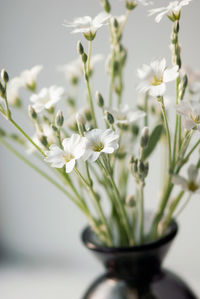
{"x": 193, "y": 77}
{"x": 48, "y": 132}
{"x": 125, "y": 115}
{"x": 87, "y": 25}
{"x": 155, "y": 76}
{"x": 13, "y": 88}
{"x": 172, "y": 10}
{"x": 189, "y": 184}
{"x": 191, "y": 114}
{"x": 29, "y": 77}
{"x": 99, "y": 141}
{"x": 47, "y": 98}
{"x": 73, "y": 149}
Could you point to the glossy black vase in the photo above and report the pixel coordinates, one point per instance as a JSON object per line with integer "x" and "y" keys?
{"x": 136, "y": 272}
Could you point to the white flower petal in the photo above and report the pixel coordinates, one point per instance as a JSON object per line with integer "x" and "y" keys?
{"x": 69, "y": 166}
{"x": 179, "y": 180}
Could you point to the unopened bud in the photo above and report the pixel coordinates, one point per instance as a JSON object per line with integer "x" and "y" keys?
{"x": 99, "y": 99}
{"x": 43, "y": 140}
{"x": 4, "y": 76}
{"x": 135, "y": 129}
{"x": 144, "y": 137}
{"x": 32, "y": 113}
{"x": 2, "y": 133}
{"x": 84, "y": 57}
{"x": 182, "y": 87}
{"x": 54, "y": 128}
{"x": 88, "y": 114}
{"x": 176, "y": 27}
{"x": 80, "y": 48}
{"x": 80, "y": 119}
{"x": 130, "y": 5}
{"x": 115, "y": 23}
{"x": 130, "y": 201}
{"x": 106, "y": 6}
{"x": 110, "y": 118}
{"x": 59, "y": 119}
{"x": 2, "y": 90}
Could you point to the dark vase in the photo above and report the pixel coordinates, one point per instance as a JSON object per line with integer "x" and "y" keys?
{"x": 136, "y": 272}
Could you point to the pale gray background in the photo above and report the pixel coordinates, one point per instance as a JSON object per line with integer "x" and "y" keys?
{"x": 37, "y": 223}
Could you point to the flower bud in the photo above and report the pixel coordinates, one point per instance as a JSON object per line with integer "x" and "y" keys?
{"x": 32, "y": 113}
{"x": 80, "y": 119}
{"x": 182, "y": 87}
{"x": 88, "y": 114}
{"x": 115, "y": 23}
{"x": 54, "y": 128}
{"x": 176, "y": 27}
{"x": 130, "y": 5}
{"x": 84, "y": 57}
{"x": 2, "y": 133}
{"x": 4, "y": 76}
{"x": 135, "y": 129}
{"x": 106, "y": 5}
{"x": 110, "y": 118}
{"x": 80, "y": 48}
{"x": 144, "y": 137}
{"x": 59, "y": 119}
{"x": 99, "y": 99}
{"x": 2, "y": 90}
{"x": 43, "y": 140}
{"x": 130, "y": 201}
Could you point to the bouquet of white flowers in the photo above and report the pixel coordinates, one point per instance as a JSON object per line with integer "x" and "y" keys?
{"x": 97, "y": 158}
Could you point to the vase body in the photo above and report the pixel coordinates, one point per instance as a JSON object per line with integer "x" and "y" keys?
{"x": 136, "y": 272}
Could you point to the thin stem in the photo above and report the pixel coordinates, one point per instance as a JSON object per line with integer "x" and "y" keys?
{"x": 98, "y": 206}
{"x": 26, "y": 136}
{"x": 167, "y": 129}
{"x": 124, "y": 216}
{"x": 8, "y": 112}
{"x": 38, "y": 170}
{"x": 89, "y": 56}
{"x": 183, "y": 206}
{"x": 146, "y": 109}
{"x": 172, "y": 208}
{"x": 141, "y": 211}
{"x": 91, "y": 101}
{"x": 192, "y": 150}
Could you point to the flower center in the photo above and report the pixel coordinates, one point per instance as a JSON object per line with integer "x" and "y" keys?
{"x": 195, "y": 118}
{"x": 68, "y": 157}
{"x": 192, "y": 186}
{"x": 156, "y": 81}
{"x": 97, "y": 147}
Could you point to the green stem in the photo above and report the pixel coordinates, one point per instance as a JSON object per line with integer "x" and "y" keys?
{"x": 98, "y": 206}
{"x": 41, "y": 172}
{"x": 91, "y": 101}
{"x": 172, "y": 208}
{"x": 89, "y": 56}
{"x": 141, "y": 211}
{"x": 26, "y": 136}
{"x": 146, "y": 109}
{"x": 167, "y": 129}
{"x": 124, "y": 216}
{"x": 183, "y": 207}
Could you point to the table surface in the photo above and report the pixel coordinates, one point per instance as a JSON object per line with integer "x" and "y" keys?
{"x": 28, "y": 282}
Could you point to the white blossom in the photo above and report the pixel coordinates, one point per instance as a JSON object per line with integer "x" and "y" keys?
{"x": 47, "y": 98}
{"x": 29, "y": 77}
{"x": 73, "y": 149}
{"x": 193, "y": 77}
{"x": 155, "y": 76}
{"x": 99, "y": 141}
{"x": 191, "y": 115}
{"x": 172, "y": 10}
{"x": 190, "y": 184}
{"x": 87, "y": 25}
{"x": 124, "y": 115}
{"x": 13, "y": 88}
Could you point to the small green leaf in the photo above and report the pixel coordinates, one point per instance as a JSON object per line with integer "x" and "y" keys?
{"x": 153, "y": 140}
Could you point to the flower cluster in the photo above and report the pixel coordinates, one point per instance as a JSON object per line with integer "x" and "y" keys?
{"x": 107, "y": 155}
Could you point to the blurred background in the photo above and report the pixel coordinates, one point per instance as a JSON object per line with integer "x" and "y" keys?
{"x": 39, "y": 228}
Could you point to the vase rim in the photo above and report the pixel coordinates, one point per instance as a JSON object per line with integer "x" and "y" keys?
{"x": 90, "y": 244}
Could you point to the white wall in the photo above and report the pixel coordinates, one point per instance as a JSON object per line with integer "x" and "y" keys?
{"x": 35, "y": 219}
